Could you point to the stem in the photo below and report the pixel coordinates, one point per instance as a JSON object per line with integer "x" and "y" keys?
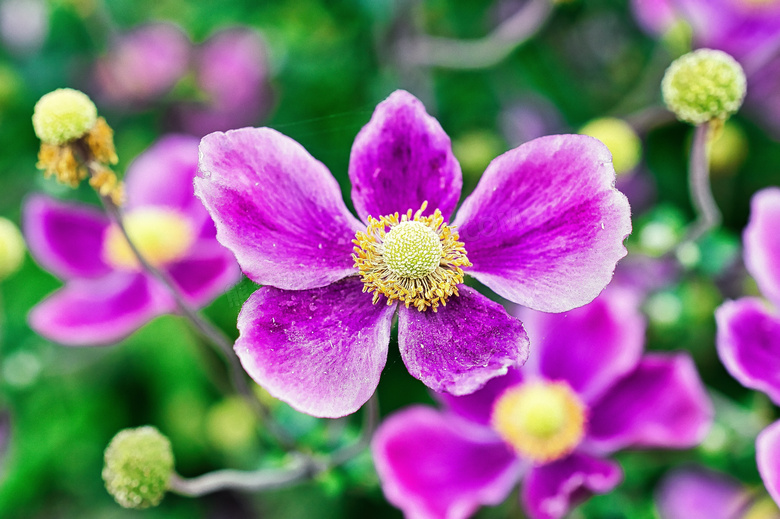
{"x": 209, "y": 331}
{"x": 301, "y": 468}
{"x": 708, "y": 214}
{"x": 479, "y": 53}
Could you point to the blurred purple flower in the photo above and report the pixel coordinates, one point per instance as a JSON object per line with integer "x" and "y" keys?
{"x": 544, "y": 228}
{"x": 106, "y": 295}
{"x": 231, "y": 68}
{"x": 749, "y": 330}
{"x": 445, "y": 464}
{"x": 143, "y": 64}
{"x": 24, "y": 24}
{"x": 748, "y": 30}
{"x": 698, "y": 493}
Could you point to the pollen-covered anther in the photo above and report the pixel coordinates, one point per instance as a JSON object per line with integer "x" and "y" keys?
{"x": 542, "y": 421}
{"x": 411, "y": 258}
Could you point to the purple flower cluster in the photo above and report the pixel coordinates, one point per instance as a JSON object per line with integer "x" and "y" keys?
{"x": 106, "y": 294}
{"x": 749, "y": 330}
{"x": 445, "y": 464}
{"x": 229, "y": 72}
{"x": 544, "y": 228}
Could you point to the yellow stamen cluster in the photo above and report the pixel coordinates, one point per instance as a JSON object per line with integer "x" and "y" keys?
{"x": 410, "y": 258}
{"x": 161, "y": 237}
{"x": 543, "y": 421}
{"x": 75, "y": 143}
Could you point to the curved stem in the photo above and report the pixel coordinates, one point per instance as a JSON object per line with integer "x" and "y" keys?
{"x": 208, "y": 330}
{"x": 479, "y": 53}
{"x": 708, "y": 214}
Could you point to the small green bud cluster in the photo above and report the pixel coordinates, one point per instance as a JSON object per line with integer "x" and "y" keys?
{"x": 63, "y": 115}
{"x": 704, "y": 85}
{"x": 138, "y": 467}
{"x": 11, "y": 248}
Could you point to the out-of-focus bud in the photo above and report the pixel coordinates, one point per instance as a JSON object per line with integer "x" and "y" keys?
{"x": 230, "y": 425}
{"x": 728, "y": 149}
{"x": 63, "y": 115}
{"x": 678, "y": 37}
{"x": 620, "y": 138}
{"x": 704, "y": 85}
{"x": 11, "y": 248}
{"x": 476, "y": 149}
{"x": 138, "y": 467}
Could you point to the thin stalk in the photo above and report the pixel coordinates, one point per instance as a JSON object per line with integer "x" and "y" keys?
{"x": 209, "y": 331}
{"x": 478, "y": 53}
{"x": 708, "y": 214}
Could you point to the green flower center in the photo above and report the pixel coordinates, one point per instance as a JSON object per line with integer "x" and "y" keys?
{"x": 412, "y": 250}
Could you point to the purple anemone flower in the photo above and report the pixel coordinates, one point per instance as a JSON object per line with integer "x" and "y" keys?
{"x": 699, "y": 493}
{"x": 588, "y": 393}
{"x": 543, "y": 228}
{"x": 749, "y": 330}
{"x": 106, "y": 294}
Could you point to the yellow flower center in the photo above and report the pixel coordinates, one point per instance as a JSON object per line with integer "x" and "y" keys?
{"x": 160, "y": 235}
{"x": 413, "y": 259}
{"x": 543, "y": 421}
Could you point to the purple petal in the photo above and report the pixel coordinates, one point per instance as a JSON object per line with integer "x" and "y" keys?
{"x": 207, "y": 272}
{"x": 66, "y": 239}
{"x": 319, "y": 350}
{"x": 432, "y": 467}
{"x": 663, "y": 403}
{"x": 99, "y": 311}
{"x": 402, "y": 158}
{"x": 749, "y": 344}
{"x": 163, "y": 175}
{"x": 544, "y": 227}
{"x": 590, "y": 347}
{"x": 463, "y": 345}
{"x": 551, "y": 490}
{"x": 762, "y": 242}
{"x": 768, "y": 459}
{"x": 654, "y": 16}
{"x": 276, "y": 208}
{"x": 478, "y": 406}
{"x": 696, "y": 493}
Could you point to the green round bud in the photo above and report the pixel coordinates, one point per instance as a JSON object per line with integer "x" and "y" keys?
{"x": 704, "y": 85}
{"x": 620, "y": 138}
{"x": 11, "y": 248}
{"x": 63, "y": 115}
{"x": 138, "y": 467}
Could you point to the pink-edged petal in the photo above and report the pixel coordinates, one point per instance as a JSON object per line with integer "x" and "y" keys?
{"x": 654, "y": 16}
{"x": 762, "y": 242}
{"x": 545, "y": 227}
{"x": 66, "y": 239}
{"x": 550, "y": 491}
{"x": 463, "y": 345}
{"x": 663, "y": 403}
{"x": 590, "y": 347}
{"x": 768, "y": 459}
{"x": 697, "y": 493}
{"x": 94, "y": 312}
{"x": 478, "y": 406}
{"x": 208, "y": 271}
{"x": 320, "y": 350}
{"x": 748, "y": 344}
{"x": 401, "y": 159}
{"x": 433, "y": 467}
{"x": 162, "y": 175}
{"x": 276, "y": 208}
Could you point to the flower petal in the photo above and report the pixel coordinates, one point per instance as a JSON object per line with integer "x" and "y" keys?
{"x": 207, "y": 272}
{"x": 545, "y": 227}
{"x": 696, "y": 493}
{"x": 66, "y": 239}
{"x": 432, "y": 467}
{"x": 748, "y": 344}
{"x": 402, "y": 158}
{"x": 654, "y": 16}
{"x": 463, "y": 345}
{"x": 663, "y": 403}
{"x": 478, "y": 406}
{"x": 276, "y": 208}
{"x": 590, "y": 347}
{"x": 320, "y": 350}
{"x": 762, "y": 242}
{"x": 550, "y": 491}
{"x": 101, "y": 311}
{"x": 768, "y": 459}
